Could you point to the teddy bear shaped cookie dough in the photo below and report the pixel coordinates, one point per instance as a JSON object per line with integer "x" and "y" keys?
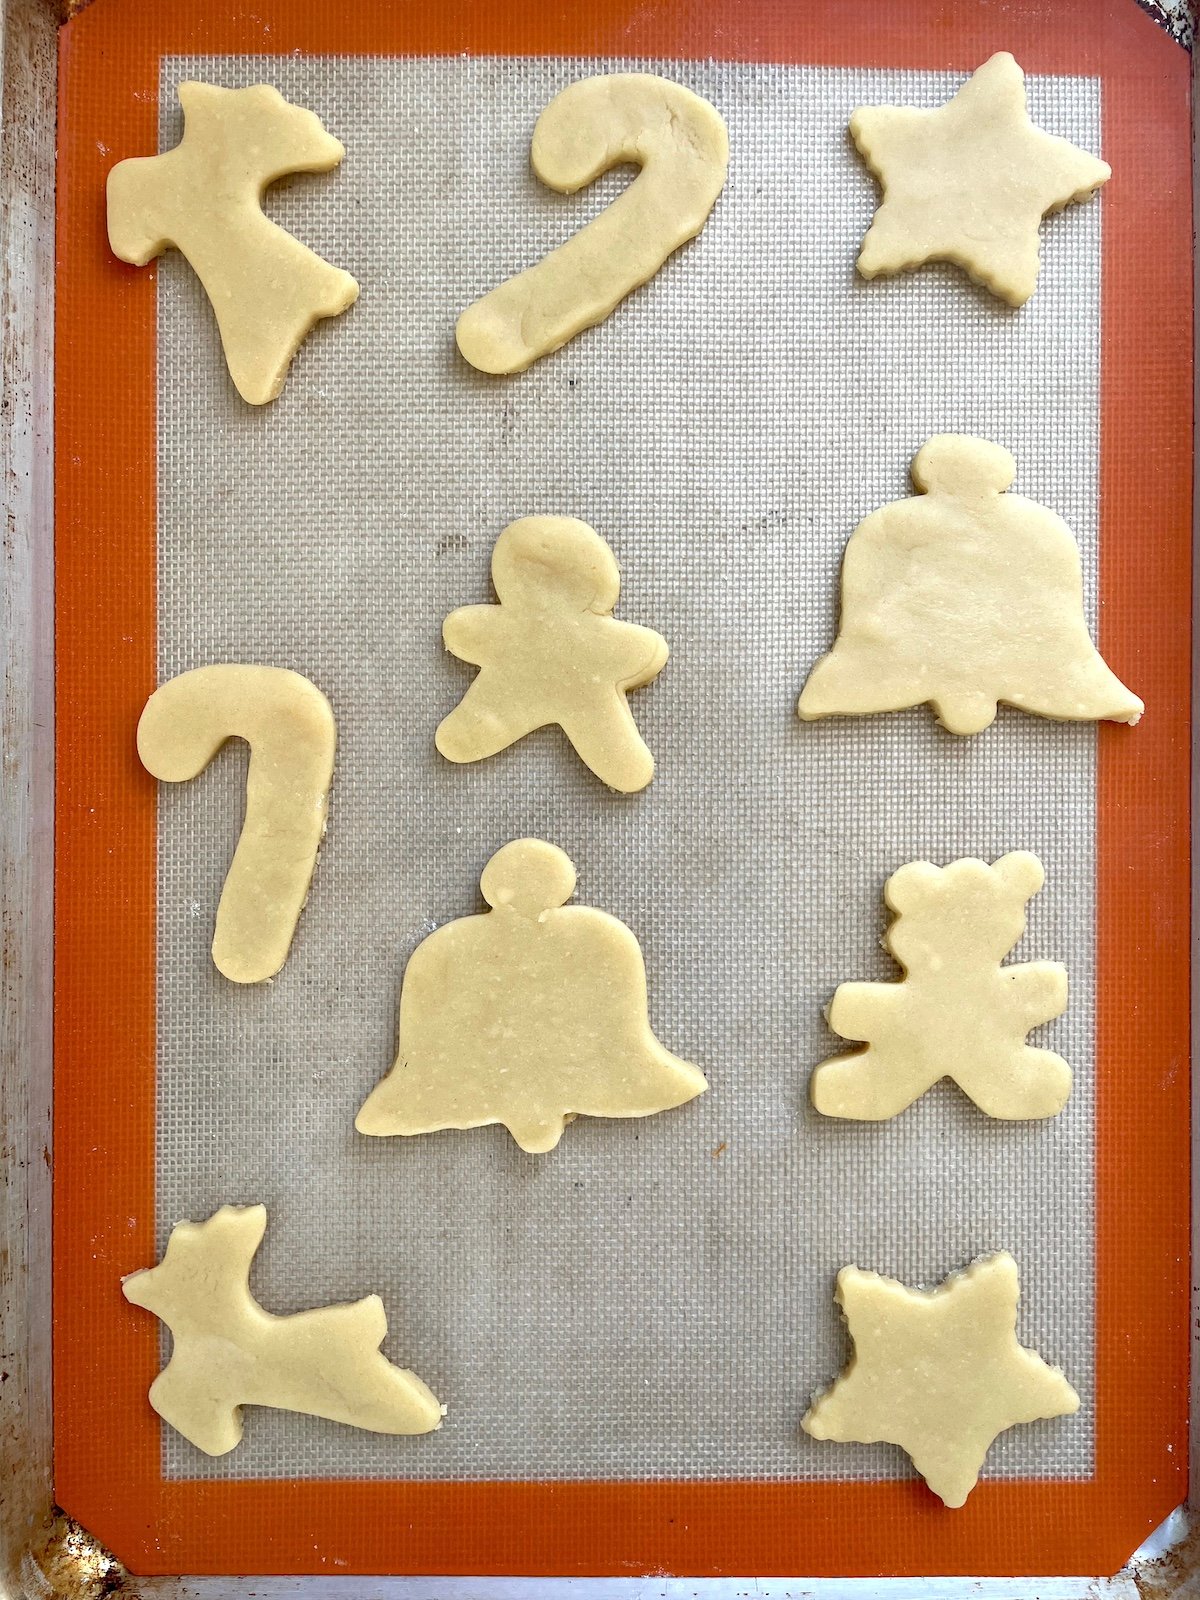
{"x": 957, "y": 1013}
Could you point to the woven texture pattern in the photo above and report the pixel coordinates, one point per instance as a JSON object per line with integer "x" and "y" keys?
{"x": 635, "y": 1304}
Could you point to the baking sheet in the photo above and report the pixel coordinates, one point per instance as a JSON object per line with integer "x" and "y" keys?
{"x": 635, "y": 1304}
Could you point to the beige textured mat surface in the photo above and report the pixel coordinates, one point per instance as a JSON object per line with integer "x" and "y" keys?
{"x": 633, "y": 1304}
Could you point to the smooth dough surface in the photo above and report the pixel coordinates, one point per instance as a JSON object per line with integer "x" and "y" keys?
{"x": 552, "y": 653}
{"x": 678, "y": 140}
{"x": 228, "y": 1352}
{"x": 962, "y": 597}
{"x": 528, "y": 1015}
{"x": 958, "y": 1013}
{"x": 205, "y": 198}
{"x": 289, "y": 726}
{"x": 939, "y": 1373}
{"x": 969, "y": 182}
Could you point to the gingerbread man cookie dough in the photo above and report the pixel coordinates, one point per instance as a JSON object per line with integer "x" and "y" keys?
{"x": 552, "y": 652}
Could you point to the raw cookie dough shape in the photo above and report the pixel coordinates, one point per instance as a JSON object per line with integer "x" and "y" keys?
{"x": 228, "y": 1352}
{"x": 940, "y": 1373}
{"x": 552, "y": 653}
{"x": 289, "y": 726}
{"x": 205, "y": 198}
{"x": 957, "y": 1013}
{"x": 964, "y": 596}
{"x": 529, "y": 1015}
{"x": 969, "y": 182}
{"x": 680, "y": 143}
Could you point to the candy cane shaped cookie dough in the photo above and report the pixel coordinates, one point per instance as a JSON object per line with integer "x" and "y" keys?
{"x": 289, "y": 726}
{"x": 680, "y": 143}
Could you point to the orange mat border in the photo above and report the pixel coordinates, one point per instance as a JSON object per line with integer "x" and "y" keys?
{"x": 106, "y": 1438}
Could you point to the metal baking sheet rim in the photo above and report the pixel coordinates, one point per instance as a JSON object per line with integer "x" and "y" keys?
{"x": 43, "y": 1552}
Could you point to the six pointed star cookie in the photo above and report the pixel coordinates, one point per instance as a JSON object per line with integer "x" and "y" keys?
{"x": 939, "y": 1373}
{"x": 969, "y": 182}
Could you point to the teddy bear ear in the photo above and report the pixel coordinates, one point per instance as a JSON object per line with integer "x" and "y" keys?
{"x": 911, "y": 885}
{"x": 1021, "y": 872}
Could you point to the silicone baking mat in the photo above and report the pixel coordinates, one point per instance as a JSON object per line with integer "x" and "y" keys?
{"x": 627, "y": 1331}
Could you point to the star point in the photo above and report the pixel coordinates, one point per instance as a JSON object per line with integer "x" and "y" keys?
{"x": 938, "y": 1372}
{"x": 969, "y": 182}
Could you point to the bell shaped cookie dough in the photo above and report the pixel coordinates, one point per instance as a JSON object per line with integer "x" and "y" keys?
{"x": 227, "y": 1352}
{"x": 552, "y": 653}
{"x": 205, "y": 198}
{"x": 963, "y": 597}
{"x": 529, "y": 1015}
{"x": 957, "y": 1013}
{"x": 679, "y": 142}
{"x": 939, "y": 1373}
{"x": 289, "y": 726}
{"x": 969, "y": 182}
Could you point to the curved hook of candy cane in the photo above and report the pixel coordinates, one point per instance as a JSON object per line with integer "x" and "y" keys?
{"x": 680, "y": 142}
{"x": 289, "y": 726}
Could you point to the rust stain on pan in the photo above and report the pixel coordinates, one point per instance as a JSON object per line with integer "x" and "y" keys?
{"x": 68, "y": 1563}
{"x": 1174, "y": 1575}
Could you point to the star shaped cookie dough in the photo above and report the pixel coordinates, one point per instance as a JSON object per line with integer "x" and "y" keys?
{"x": 969, "y": 182}
{"x": 940, "y": 1373}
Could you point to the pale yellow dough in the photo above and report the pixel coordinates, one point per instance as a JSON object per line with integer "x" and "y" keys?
{"x": 939, "y": 1373}
{"x": 958, "y": 1013}
{"x": 969, "y": 182}
{"x": 205, "y": 198}
{"x": 529, "y": 1015}
{"x": 289, "y": 726}
{"x": 552, "y": 653}
{"x": 228, "y": 1352}
{"x": 962, "y": 597}
{"x": 680, "y": 143}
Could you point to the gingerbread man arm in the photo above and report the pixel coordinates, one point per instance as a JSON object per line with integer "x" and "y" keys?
{"x": 470, "y": 633}
{"x": 635, "y": 655}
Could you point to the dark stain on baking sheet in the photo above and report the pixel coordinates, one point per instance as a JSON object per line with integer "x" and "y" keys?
{"x": 1175, "y": 1575}
{"x": 1174, "y": 17}
{"x": 75, "y": 1566}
